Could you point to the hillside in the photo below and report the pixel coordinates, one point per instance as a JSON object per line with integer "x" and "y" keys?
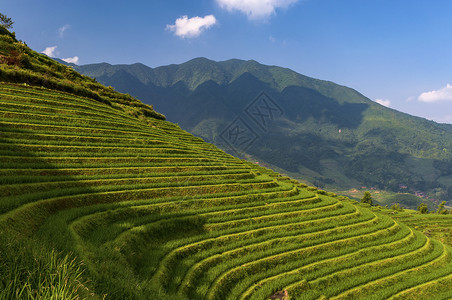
{"x": 21, "y": 64}
{"x": 99, "y": 201}
{"x": 437, "y": 226}
{"x": 327, "y": 134}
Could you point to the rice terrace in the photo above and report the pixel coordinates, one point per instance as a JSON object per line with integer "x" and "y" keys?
{"x": 102, "y": 198}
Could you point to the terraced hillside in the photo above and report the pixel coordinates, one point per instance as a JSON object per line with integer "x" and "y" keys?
{"x": 438, "y": 226}
{"x": 150, "y": 211}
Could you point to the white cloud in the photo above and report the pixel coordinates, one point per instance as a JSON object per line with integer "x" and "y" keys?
{"x": 271, "y": 39}
{"x": 255, "y": 9}
{"x": 384, "y": 102}
{"x": 62, "y": 29}
{"x": 71, "y": 60}
{"x": 190, "y": 28}
{"x": 444, "y": 94}
{"x": 50, "y": 51}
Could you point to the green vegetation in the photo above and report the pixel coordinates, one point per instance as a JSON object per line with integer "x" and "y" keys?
{"x": 367, "y": 198}
{"x": 422, "y": 208}
{"x": 98, "y": 201}
{"x": 437, "y": 226}
{"x": 328, "y": 135}
{"x": 388, "y": 198}
{"x": 20, "y": 64}
{"x": 397, "y": 207}
{"x": 5, "y": 21}
{"x": 30, "y": 270}
{"x": 441, "y": 209}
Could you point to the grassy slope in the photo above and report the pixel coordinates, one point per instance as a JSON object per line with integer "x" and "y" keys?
{"x": 148, "y": 210}
{"x": 21, "y": 64}
{"x": 433, "y": 225}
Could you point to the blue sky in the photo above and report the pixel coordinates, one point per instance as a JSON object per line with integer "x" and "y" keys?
{"x": 396, "y": 51}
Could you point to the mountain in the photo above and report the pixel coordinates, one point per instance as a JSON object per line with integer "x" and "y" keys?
{"x": 314, "y": 130}
{"x": 101, "y": 198}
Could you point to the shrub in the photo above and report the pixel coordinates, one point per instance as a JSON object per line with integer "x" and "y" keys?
{"x": 397, "y": 207}
{"x": 422, "y": 208}
{"x": 441, "y": 209}
{"x": 367, "y": 198}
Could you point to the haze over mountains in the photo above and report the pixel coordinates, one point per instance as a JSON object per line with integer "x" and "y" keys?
{"x": 322, "y": 132}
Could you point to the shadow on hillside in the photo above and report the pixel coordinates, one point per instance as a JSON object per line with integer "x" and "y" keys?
{"x": 19, "y": 168}
{"x": 26, "y": 259}
{"x": 50, "y": 223}
{"x": 211, "y": 100}
{"x": 147, "y": 252}
{"x": 303, "y": 103}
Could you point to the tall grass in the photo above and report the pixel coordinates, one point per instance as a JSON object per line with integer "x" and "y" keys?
{"x": 29, "y": 270}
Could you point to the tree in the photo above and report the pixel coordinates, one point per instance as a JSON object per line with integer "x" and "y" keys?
{"x": 367, "y": 198}
{"x": 5, "y": 21}
{"x": 396, "y": 206}
{"x": 422, "y": 208}
{"x": 441, "y": 209}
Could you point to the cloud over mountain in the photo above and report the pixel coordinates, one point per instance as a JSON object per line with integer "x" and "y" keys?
{"x": 384, "y": 102}
{"x": 185, "y": 27}
{"x": 50, "y": 51}
{"x": 71, "y": 60}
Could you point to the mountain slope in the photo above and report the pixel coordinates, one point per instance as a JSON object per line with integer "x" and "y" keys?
{"x": 328, "y": 134}
{"x": 21, "y": 64}
{"x": 148, "y": 209}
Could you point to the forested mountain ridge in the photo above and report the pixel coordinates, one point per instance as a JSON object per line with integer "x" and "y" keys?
{"x": 328, "y": 134}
